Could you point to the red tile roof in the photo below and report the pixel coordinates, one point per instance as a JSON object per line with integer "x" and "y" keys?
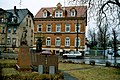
{"x": 81, "y": 11}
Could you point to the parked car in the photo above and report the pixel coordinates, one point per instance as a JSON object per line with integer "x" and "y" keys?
{"x": 72, "y": 54}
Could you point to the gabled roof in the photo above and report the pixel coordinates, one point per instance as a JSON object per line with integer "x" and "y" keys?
{"x": 81, "y": 11}
{"x": 20, "y": 14}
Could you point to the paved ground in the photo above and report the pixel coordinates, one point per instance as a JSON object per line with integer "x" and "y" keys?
{"x": 68, "y": 77}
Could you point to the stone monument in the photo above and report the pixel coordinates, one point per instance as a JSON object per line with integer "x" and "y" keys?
{"x": 24, "y": 60}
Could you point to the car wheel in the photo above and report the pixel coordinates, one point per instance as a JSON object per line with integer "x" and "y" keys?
{"x": 65, "y": 56}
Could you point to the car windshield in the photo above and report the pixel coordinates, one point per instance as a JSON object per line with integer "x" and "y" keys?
{"x": 71, "y": 52}
{"x": 77, "y": 52}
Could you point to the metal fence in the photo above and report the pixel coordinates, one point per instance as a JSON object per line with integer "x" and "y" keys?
{"x": 95, "y": 53}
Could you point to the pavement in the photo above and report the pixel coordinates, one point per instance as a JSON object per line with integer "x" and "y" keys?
{"x": 68, "y": 76}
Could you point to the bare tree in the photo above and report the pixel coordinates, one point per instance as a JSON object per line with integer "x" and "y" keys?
{"x": 107, "y": 15}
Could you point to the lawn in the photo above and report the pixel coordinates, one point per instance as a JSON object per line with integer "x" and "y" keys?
{"x": 80, "y": 71}
{"x": 88, "y": 72}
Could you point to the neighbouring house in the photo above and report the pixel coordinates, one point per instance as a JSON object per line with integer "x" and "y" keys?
{"x": 61, "y": 28}
{"x": 12, "y": 24}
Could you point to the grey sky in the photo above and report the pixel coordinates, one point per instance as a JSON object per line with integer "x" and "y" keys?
{"x": 35, "y": 5}
{"x": 32, "y": 5}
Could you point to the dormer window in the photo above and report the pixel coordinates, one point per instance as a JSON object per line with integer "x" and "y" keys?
{"x": 73, "y": 13}
{"x": 58, "y": 13}
{"x": 14, "y": 19}
{"x": 2, "y": 20}
{"x": 45, "y": 14}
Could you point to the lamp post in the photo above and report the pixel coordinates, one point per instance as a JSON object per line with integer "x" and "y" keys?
{"x": 77, "y": 35}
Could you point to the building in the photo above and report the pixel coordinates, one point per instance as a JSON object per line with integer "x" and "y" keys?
{"x": 57, "y": 28}
{"x": 12, "y": 24}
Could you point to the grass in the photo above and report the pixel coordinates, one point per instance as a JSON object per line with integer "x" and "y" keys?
{"x": 88, "y": 72}
{"x": 80, "y": 71}
{"x": 8, "y": 72}
{"x": 8, "y": 61}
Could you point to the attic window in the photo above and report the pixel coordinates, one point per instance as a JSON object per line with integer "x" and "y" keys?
{"x": 58, "y": 13}
{"x": 45, "y": 14}
{"x": 73, "y": 13}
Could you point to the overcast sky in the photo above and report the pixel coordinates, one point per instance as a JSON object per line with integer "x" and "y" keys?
{"x": 32, "y": 5}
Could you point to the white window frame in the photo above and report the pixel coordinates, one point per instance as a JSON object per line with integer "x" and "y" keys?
{"x": 48, "y": 42}
{"x": 49, "y": 26}
{"x": 76, "y": 27}
{"x": 78, "y": 42}
{"x": 14, "y": 29}
{"x": 13, "y": 41}
{"x": 45, "y": 14}
{"x": 58, "y": 28}
{"x": 39, "y": 25}
{"x": 58, "y": 13}
{"x": 57, "y": 41}
{"x": 66, "y": 26}
{"x": 8, "y": 40}
{"x": 73, "y": 13}
{"x": 67, "y": 41}
{"x": 9, "y": 30}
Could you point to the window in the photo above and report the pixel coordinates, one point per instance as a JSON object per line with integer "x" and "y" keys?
{"x": 76, "y": 42}
{"x": 77, "y": 27}
{"x": 48, "y": 41}
{"x": 14, "y": 29}
{"x": 39, "y": 28}
{"x": 67, "y": 41}
{"x": 3, "y": 40}
{"x": 48, "y": 29}
{"x": 31, "y": 32}
{"x": 2, "y": 20}
{"x": 67, "y": 28}
{"x": 14, "y": 42}
{"x": 26, "y": 21}
{"x": 31, "y": 42}
{"x": 3, "y": 30}
{"x": 12, "y": 19}
{"x": 73, "y": 13}
{"x": 9, "y": 30}
{"x": 45, "y": 14}
{"x": 58, "y": 13}
{"x": 8, "y": 40}
{"x": 57, "y": 41}
{"x": 29, "y": 23}
{"x": 58, "y": 28}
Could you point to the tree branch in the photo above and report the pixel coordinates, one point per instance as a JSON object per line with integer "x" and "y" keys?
{"x": 112, "y": 2}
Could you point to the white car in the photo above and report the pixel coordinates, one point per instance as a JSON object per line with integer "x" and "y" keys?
{"x": 72, "y": 54}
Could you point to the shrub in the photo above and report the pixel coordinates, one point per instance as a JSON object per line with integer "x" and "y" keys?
{"x": 92, "y": 62}
{"x": 108, "y": 64}
{"x": 82, "y": 62}
{"x": 69, "y": 61}
{"x": 117, "y": 65}
{"x": 34, "y": 68}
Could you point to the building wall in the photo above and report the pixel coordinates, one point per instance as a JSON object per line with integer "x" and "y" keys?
{"x": 29, "y": 27}
{"x": 18, "y": 34}
{"x": 72, "y": 34}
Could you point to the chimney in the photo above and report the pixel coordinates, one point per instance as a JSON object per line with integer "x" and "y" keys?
{"x": 15, "y": 10}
